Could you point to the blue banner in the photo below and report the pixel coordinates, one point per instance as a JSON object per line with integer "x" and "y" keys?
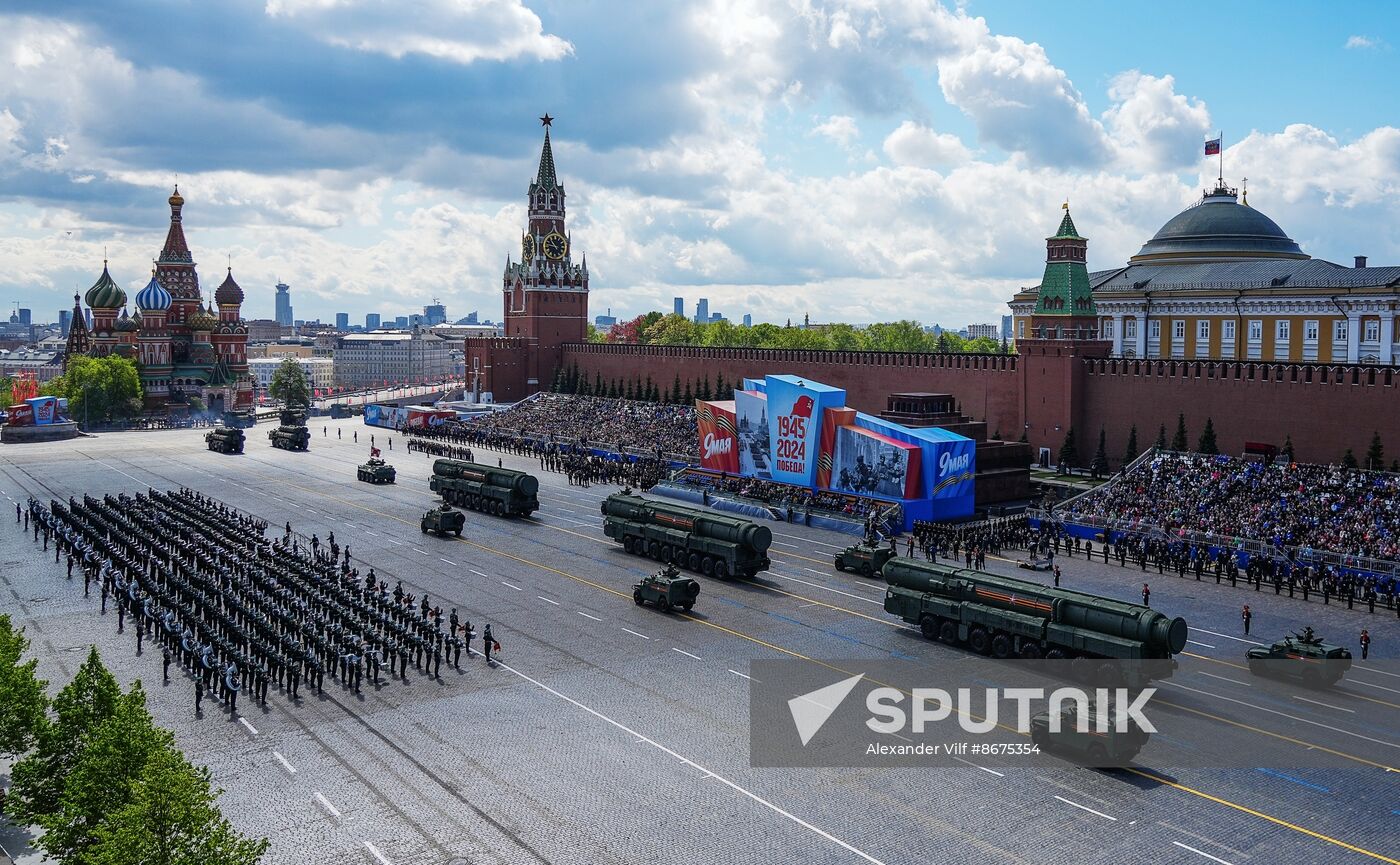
{"x": 795, "y": 409}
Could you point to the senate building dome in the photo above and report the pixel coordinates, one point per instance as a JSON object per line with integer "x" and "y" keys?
{"x": 1217, "y": 228}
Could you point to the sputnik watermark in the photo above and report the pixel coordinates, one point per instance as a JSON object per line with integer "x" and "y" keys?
{"x": 1118, "y": 710}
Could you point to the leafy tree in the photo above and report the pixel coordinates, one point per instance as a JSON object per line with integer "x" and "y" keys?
{"x": 672, "y": 330}
{"x": 1069, "y": 451}
{"x": 6, "y": 392}
{"x": 1375, "y": 455}
{"x": 40, "y": 777}
{"x": 1100, "y": 464}
{"x": 1288, "y": 447}
{"x": 1132, "y": 451}
{"x": 593, "y": 334}
{"x": 23, "y": 700}
{"x": 626, "y": 331}
{"x": 289, "y": 384}
{"x": 981, "y": 345}
{"x": 109, "y": 763}
{"x": 1161, "y": 443}
{"x": 1349, "y": 460}
{"x": 1179, "y": 440}
{"x": 1206, "y": 444}
{"x": 171, "y": 818}
{"x": 99, "y": 388}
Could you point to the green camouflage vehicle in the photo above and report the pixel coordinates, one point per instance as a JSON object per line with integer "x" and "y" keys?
{"x": 225, "y": 440}
{"x": 1303, "y": 656}
{"x": 864, "y": 558}
{"x": 441, "y": 521}
{"x": 240, "y": 419}
{"x": 376, "y": 471}
{"x": 699, "y": 540}
{"x": 1109, "y": 747}
{"x": 489, "y": 489}
{"x": 290, "y": 438}
{"x": 666, "y": 589}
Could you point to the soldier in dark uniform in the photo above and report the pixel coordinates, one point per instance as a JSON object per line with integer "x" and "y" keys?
{"x": 165, "y": 663}
{"x": 486, "y": 641}
{"x": 198, "y": 694}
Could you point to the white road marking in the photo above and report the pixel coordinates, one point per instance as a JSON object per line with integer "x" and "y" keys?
{"x": 1374, "y": 670}
{"x": 509, "y": 586}
{"x": 1356, "y": 681}
{"x": 377, "y": 855}
{"x": 371, "y": 533}
{"x": 416, "y": 550}
{"x": 547, "y": 600}
{"x": 586, "y": 616}
{"x": 394, "y": 542}
{"x": 311, "y": 511}
{"x": 786, "y": 544}
{"x": 1226, "y": 636}
{"x": 687, "y": 654}
{"x": 291, "y": 770}
{"x": 1323, "y": 705}
{"x": 350, "y": 524}
{"x": 325, "y": 803}
{"x": 635, "y": 634}
{"x": 1225, "y": 679}
{"x": 1198, "y": 643}
{"x": 1282, "y": 714}
{"x": 723, "y": 780}
{"x": 1202, "y": 853}
{"x": 741, "y": 675}
{"x": 251, "y": 728}
{"x": 975, "y": 766}
{"x": 1086, "y": 808}
{"x": 808, "y": 540}
{"x": 830, "y": 589}
{"x": 475, "y": 571}
{"x": 815, "y": 571}
{"x": 452, "y": 563}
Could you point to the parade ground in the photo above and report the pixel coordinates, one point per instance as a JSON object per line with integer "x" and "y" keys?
{"x": 607, "y": 732}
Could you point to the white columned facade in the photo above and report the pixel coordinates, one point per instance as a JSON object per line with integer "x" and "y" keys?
{"x": 1117, "y": 326}
{"x": 1353, "y": 337}
{"x": 1140, "y": 347}
{"x": 1388, "y": 337}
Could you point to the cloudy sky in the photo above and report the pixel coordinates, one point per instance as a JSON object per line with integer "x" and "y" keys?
{"x": 861, "y": 160}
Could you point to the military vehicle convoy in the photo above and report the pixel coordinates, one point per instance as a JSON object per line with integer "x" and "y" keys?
{"x": 225, "y": 440}
{"x": 865, "y": 558}
{"x": 667, "y": 589}
{"x": 1006, "y": 617}
{"x": 443, "y": 520}
{"x": 697, "y": 540}
{"x": 1092, "y": 747}
{"x": 1302, "y": 656}
{"x": 240, "y": 419}
{"x": 292, "y": 435}
{"x": 503, "y": 492}
{"x": 376, "y": 471}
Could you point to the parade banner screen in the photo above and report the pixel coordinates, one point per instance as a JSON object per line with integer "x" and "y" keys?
{"x": 45, "y": 409}
{"x": 718, "y": 430}
{"x": 870, "y": 464}
{"x": 751, "y": 424}
{"x": 795, "y": 409}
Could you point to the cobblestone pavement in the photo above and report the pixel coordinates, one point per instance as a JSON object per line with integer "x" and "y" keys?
{"x": 614, "y": 734}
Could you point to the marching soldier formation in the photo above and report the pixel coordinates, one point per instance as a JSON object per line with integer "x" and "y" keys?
{"x": 238, "y": 612}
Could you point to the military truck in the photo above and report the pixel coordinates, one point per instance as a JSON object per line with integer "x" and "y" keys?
{"x": 667, "y": 589}
{"x": 1006, "y": 617}
{"x": 493, "y": 490}
{"x": 292, "y": 417}
{"x": 1302, "y": 656}
{"x": 240, "y": 419}
{"x": 697, "y": 540}
{"x": 443, "y": 520}
{"x": 225, "y": 440}
{"x": 1110, "y": 746}
{"x": 376, "y": 471}
{"x": 290, "y": 438}
{"x": 864, "y": 558}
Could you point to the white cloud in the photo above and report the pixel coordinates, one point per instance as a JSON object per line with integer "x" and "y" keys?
{"x": 459, "y": 31}
{"x": 1153, "y": 127}
{"x": 1363, "y": 42}
{"x": 10, "y": 127}
{"x": 840, "y": 128}
{"x": 915, "y": 144}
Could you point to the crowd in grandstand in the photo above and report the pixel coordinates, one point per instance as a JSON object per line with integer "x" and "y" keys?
{"x": 582, "y": 467}
{"x": 590, "y": 422}
{"x": 780, "y": 495}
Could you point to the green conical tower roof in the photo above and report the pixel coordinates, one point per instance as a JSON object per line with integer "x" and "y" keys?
{"x": 1064, "y": 289}
{"x": 545, "y": 176}
{"x": 1067, "y": 229}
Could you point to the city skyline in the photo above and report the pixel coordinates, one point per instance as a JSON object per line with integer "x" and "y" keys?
{"x": 942, "y": 191}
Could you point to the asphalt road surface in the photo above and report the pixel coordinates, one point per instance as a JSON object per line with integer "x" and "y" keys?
{"x": 611, "y": 733}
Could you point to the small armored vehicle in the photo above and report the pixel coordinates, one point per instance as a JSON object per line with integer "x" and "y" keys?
{"x": 865, "y": 559}
{"x": 225, "y": 440}
{"x": 1092, "y": 747}
{"x": 443, "y": 520}
{"x": 376, "y": 471}
{"x": 666, "y": 589}
{"x": 1304, "y": 656}
{"x": 290, "y": 438}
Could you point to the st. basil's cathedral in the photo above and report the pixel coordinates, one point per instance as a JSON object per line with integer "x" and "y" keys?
{"x": 183, "y": 348}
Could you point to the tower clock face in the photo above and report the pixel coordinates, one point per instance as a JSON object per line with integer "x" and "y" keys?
{"x": 527, "y": 248}
{"x": 555, "y": 245}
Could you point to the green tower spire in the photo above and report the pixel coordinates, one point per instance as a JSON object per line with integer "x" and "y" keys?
{"x": 1064, "y": 289}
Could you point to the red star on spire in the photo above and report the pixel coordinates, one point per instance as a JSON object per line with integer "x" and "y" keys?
{"x": 546, "y": 119}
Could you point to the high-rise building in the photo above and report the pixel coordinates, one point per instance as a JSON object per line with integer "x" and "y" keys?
{"x": 284, "y": 305}
{"x": 25, "y": 317}
{"x": 1006, "y": 327}
{"x": 372, "y": 321}
{"x": 363, "y": 359}
{"x": 976, "y": 331}
{"x": 434, "y": 313}
{"x": 748, "y": 320}
{"x": 678, "y": 305}
{"x": 471, "y": 318}
{"x": 401, "y": 322}
{"x": 342, "y": 321}
{"x": 65, "y": 322}
{"x": 702, "y": 310}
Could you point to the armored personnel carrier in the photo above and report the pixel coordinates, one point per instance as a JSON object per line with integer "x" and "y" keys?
{"x": 1304, "y": 656}
{"x": 666, "y": 589}
{"x": 443, "y": 520}
{"x": 864, "y": 558}
{"x": 376, "y": 471}
{"x": 225, "y": 440}
{"x": 1101, "y": 743}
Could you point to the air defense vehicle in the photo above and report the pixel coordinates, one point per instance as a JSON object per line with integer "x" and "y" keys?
{"x": 292, "y": 435}
{"x": 1303, "y": 656}
{"x": 1006, "y": 617}
{"x": 700, "y": 541}
{"x": 376, "y": 471}
{"x": 1102, "y": 742}
{"x": 225, "y": 440}
{"x": 240, "y": 419}
{"x": 667, "y": 589}
{"x": 492, "y": 490}
{"x": 443, "y": 520}
{"x": 864, "y": 558}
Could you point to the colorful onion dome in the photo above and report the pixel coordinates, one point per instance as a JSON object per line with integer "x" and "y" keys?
{"x": 228, "y": 292}
{"x": 127, "y": 324}
{"x": 105, "y": 293}
{"x": 153, "y": 297}
{"x": 202, "y": 320}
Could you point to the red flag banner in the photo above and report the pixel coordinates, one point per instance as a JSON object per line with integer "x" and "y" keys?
{"x": 1213, "y": 147}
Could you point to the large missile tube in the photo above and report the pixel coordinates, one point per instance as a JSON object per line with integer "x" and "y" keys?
{"x": 1004, "y": 616}
{"x": 225, "y": 440}
{"x": 504, "y": 492}
{"x": 698, "y": 540}
{"x": 290, "y": 438}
